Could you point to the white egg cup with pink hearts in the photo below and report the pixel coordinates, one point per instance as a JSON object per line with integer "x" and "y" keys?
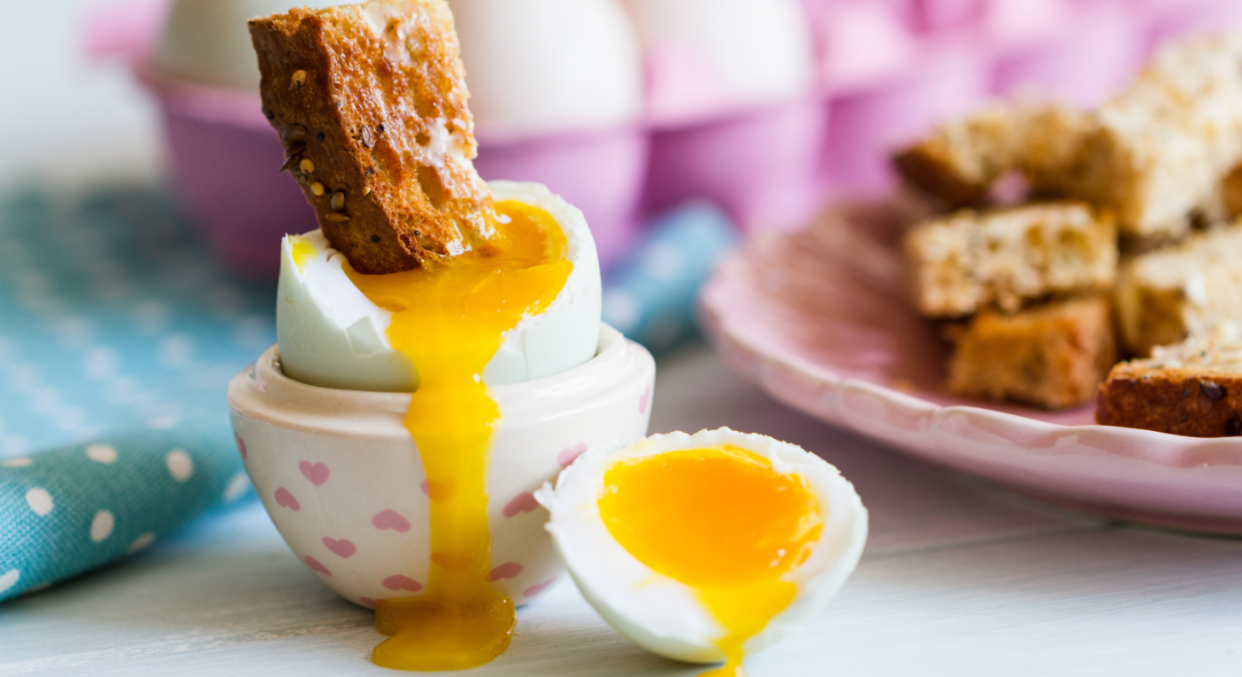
{"x": 342, "y": 480}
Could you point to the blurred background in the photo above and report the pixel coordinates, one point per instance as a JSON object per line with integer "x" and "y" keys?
{"x": 141, "y": 207}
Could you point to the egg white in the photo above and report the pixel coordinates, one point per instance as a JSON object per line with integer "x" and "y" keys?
{"x": 760, "y": 50}
{"x": 207, "y": 41}
{"x": 333, "y": 336}
{"x": 663, "y": 615}
{"x": 549, "y": 65}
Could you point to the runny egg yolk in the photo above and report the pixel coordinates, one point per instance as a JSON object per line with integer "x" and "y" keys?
{"x": 722, "y": 521}
{"x": 450, "y": 319}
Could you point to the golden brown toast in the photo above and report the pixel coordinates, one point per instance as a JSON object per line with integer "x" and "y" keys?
{"x": 970, "y": 261}
{"x": 1052, "y": 356}
{"x": 1192, "y": 388}
{"x": 370, "y": 102}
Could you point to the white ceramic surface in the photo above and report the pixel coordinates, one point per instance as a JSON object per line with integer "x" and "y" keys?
{"x": 342, "y": 480}
{"x": 819, "y": 319}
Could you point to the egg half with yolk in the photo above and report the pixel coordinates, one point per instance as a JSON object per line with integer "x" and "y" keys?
{"x": 706, "y": 547}
{"x": 331, "y": 334}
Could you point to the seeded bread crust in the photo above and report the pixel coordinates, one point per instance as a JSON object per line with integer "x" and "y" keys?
{"x": 370, "y": 102}
{"x": 1053, "y": 356}
{"x": 1192, "y": 388}
{"x": 1005, "y": 259}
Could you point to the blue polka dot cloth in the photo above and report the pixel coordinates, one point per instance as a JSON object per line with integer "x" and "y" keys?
{"x": 118, "y": 336}
{"x": 651, "y": 295}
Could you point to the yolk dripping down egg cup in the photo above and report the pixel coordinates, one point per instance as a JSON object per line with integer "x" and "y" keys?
{"x": 342, "y": 477}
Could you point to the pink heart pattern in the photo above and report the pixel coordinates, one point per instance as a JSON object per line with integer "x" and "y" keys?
{"x": 539, "y": 587}
{"x": 644, "y": 400}
{"x": 568, "y": 456}
{"x": 390, "y": 519}
{"x": 507, "y": 570}
{"x": 315, "y": 565}
{"x": 286, "y": 500}
{"x": 317, "y": 473}
{"x": 342, "y": 548}
{"x": 241, "y": 446}
{"x": 425, "y": 487}
{"x": 399, "y": 582}
{"x": 524, "y": 502}
{"x": 368, "y": 601}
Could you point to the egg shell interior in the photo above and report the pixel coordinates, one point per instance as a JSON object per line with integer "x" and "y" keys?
{"x": 661, "y": 614}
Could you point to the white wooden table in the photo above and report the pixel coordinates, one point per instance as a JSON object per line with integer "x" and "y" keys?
{"x": 959, "y": 578}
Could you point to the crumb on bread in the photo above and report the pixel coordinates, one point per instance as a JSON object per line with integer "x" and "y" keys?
{"x": 971, "y": 261}
{"x": 370, "y": 103}
{"x": 1052, "y": 356}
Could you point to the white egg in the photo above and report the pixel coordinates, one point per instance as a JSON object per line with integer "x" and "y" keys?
{"x": 757, "y": 51}
{"x": 545, "y": 65}
{"x": 669, "y": 617}
{"x": 207, "y": 41}
{"x": 333, "y": 336}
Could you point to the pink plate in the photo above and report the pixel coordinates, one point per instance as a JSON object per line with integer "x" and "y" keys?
{"x": 819, "y": 319}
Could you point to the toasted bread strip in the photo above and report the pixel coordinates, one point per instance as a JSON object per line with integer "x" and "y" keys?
{"x": 1187, "y": 290}
{"x": 1052, "y": 356}
{"x": 1162, "y": 146}
{"x": 960, "y": 159}
{"x": 970, "y": 261}
{"x": 1192, "y": 388}
{"x": 370, "y": 102}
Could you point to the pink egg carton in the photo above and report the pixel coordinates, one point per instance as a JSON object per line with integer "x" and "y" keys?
{"x": 888, "y": 70}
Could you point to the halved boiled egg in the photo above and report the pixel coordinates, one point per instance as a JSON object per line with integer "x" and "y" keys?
{"x": 706, "y": 547}
{"x": 332, "y": 335}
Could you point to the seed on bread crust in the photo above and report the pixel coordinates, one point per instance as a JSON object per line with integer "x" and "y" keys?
{"x": 378, "y": 77}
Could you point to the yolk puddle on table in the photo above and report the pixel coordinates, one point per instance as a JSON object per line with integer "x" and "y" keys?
{"x": 450, "y": 319}
{"x": 722, "y": 521}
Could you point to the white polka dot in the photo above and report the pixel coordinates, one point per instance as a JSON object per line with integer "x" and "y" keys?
{"x": 236, "y": 487}
{"x": 621, "y": 310}
{"x": 9, "y": 579}
{"x": 101, "y": 453}
{"x": 22, "y": 462}
{"x": 175, "y": 351}
{"x": 101, "y": 526}
{"x": 141, "y": 543}
{"x": 100, "y": 362}
{"x": 179, "y": 465}
{"x": 162, "y": 423}
{"x": 39, "y": 501}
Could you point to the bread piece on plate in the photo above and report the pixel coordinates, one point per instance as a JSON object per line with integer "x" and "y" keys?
{"x": 370, "y": 102}
{"x": 971, "y": 261}
{"x": 958, "y": 162}
{"x": 1161, "y": 147}
{"x": 1167, "y": 295}
{"x": 1052, "y": 356}
{"x": 1193, "y": 388}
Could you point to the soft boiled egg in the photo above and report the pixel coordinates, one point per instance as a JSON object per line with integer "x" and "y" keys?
{"x": 333, "y": 335}
{"x": 207, "y": 41}
{"x": 549, "y": 65}
{"x": 706, "y": 547}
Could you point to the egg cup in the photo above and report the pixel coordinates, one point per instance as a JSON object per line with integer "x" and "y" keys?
{"x": 341, "y": 477}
